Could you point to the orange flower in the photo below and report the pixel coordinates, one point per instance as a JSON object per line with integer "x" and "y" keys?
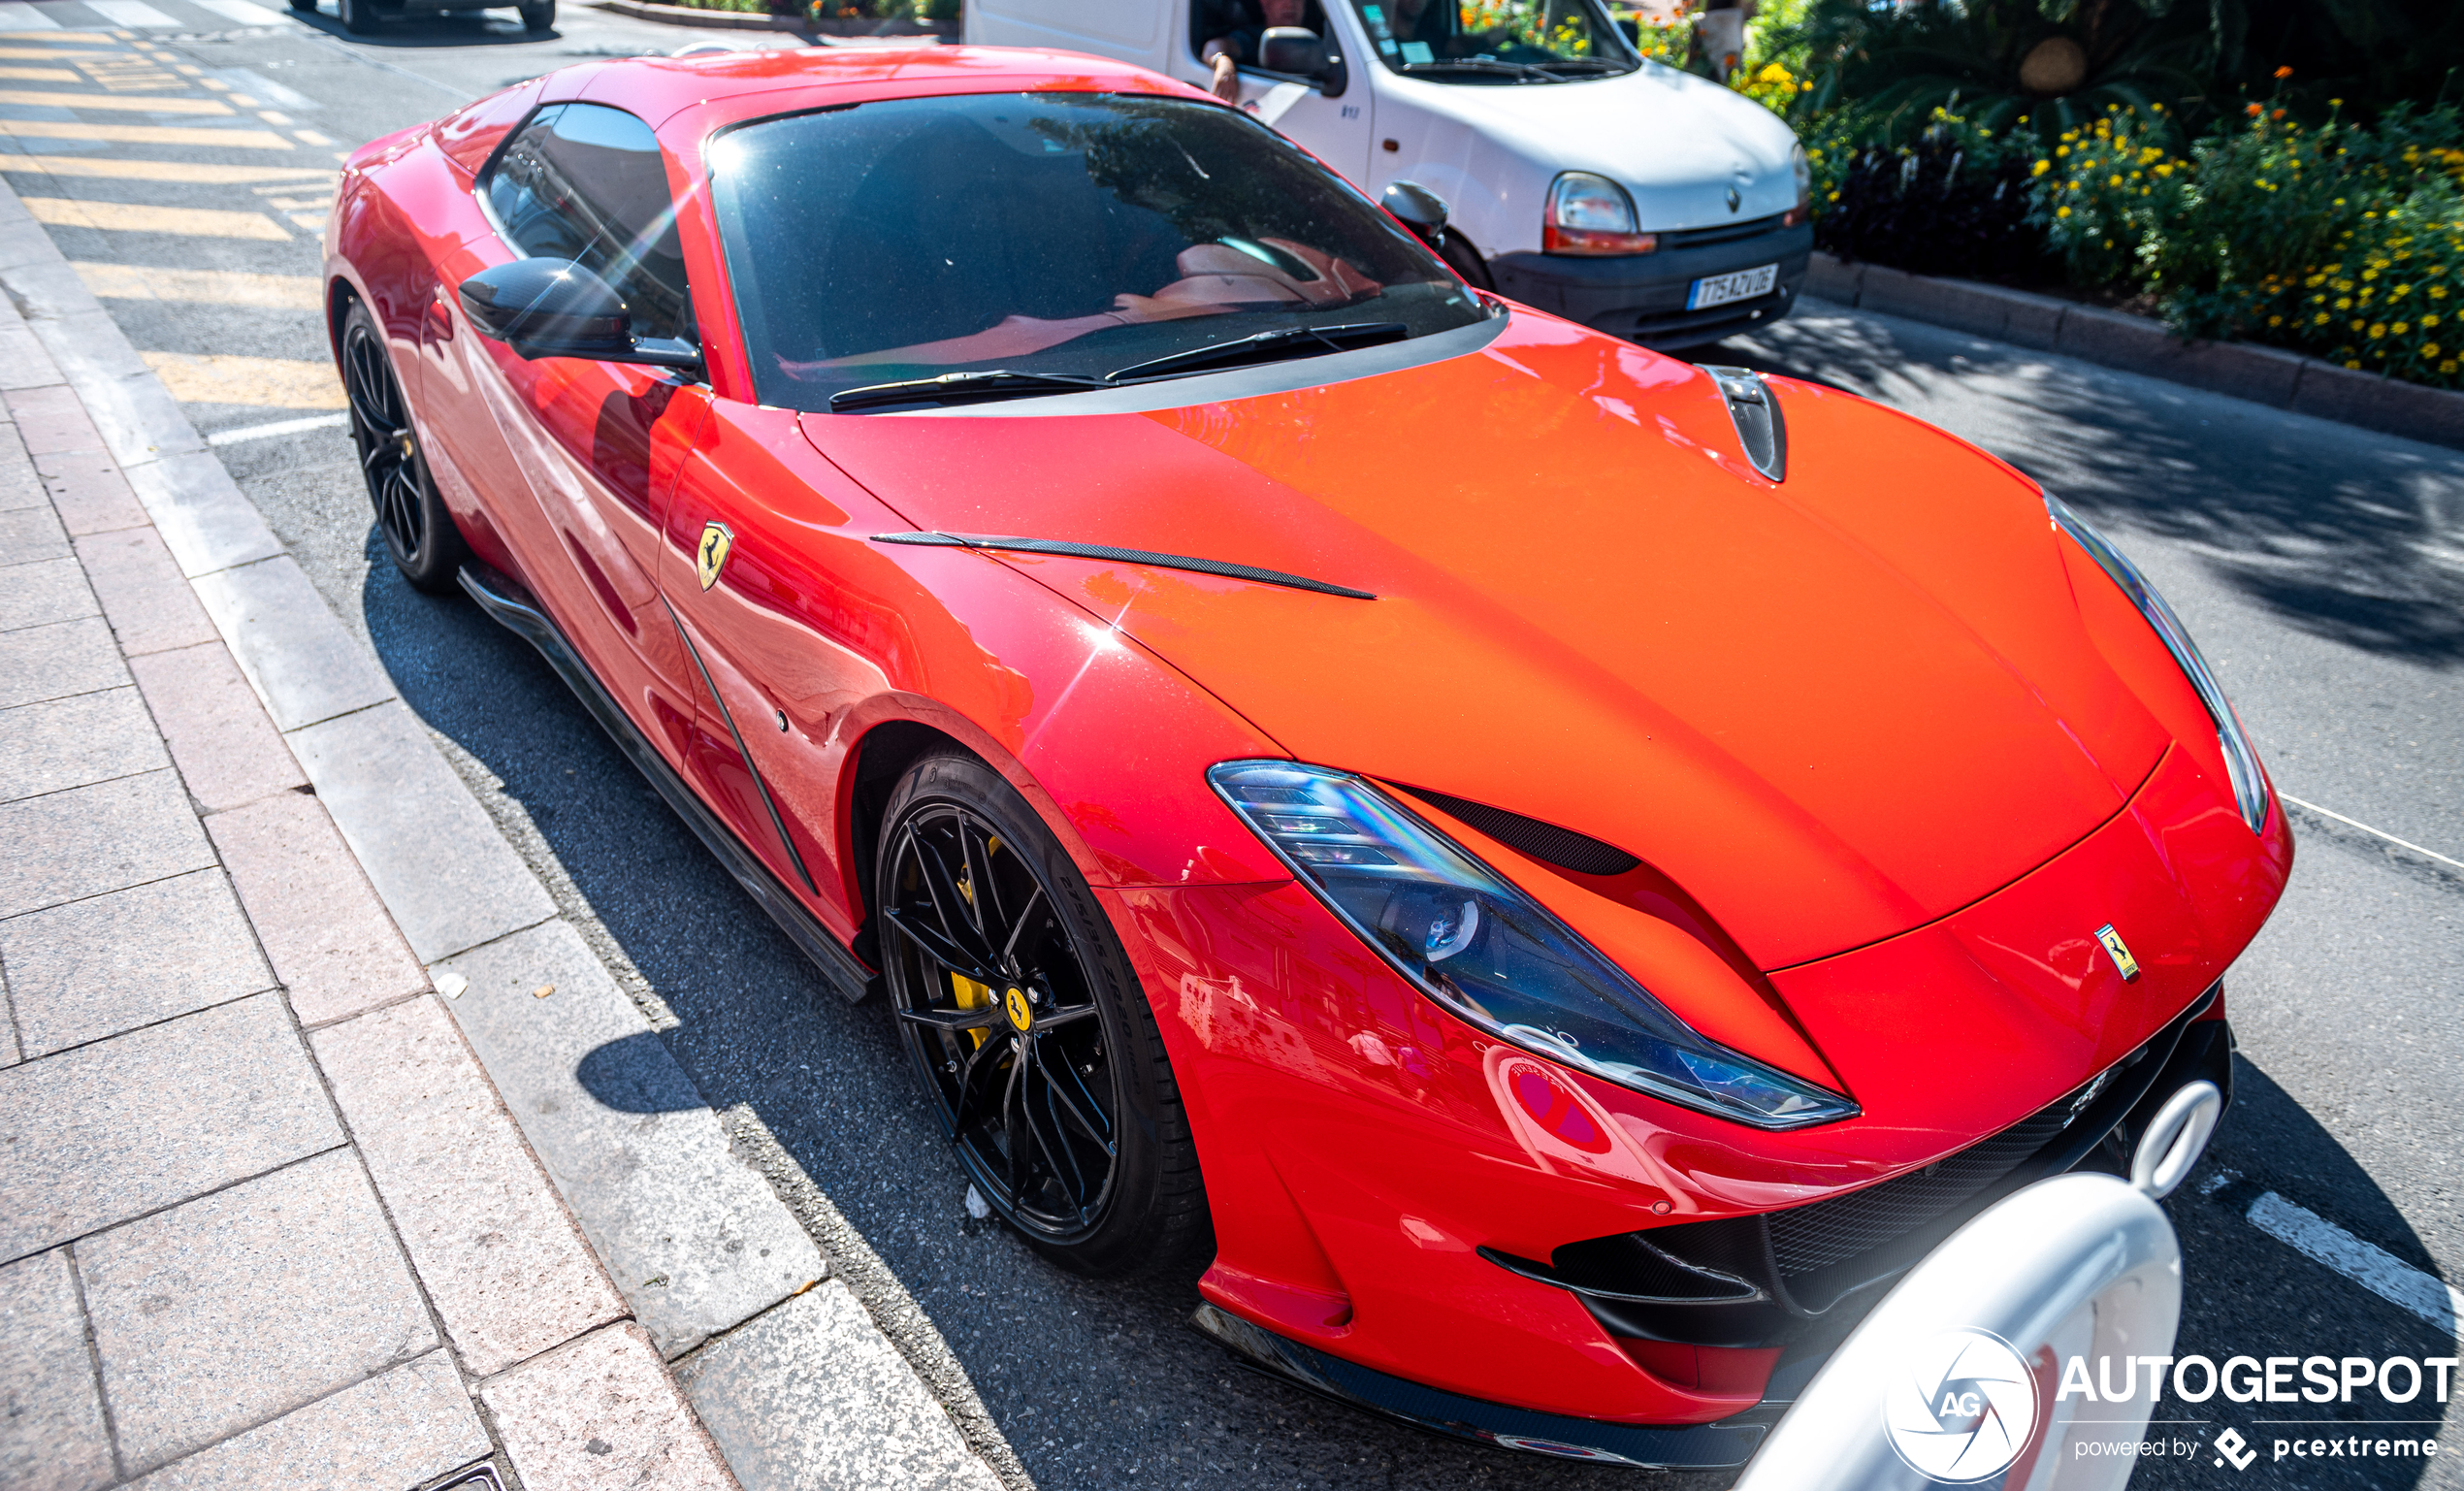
{"x": 2283, "y": 72}
{"x": 2278, "y": 115}
{"x": 2251, "y": 109}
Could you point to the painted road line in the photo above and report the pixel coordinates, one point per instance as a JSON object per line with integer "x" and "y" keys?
{"x": 202, "y": 287}
{"x": 94, "y": 38}
{"x": 242, "y": 12}
{"x": 277, "y": 428}
{"x": 130, "y": 75}
{"x": 18, "y": 15}
{"x": 311, "y": 136}
{"x": 143, "y": 133}
{"x": 40, "y": 75}
{"x": 129, "y": 218}
{"x": 261, "y": 382}
{"x": 47, "y": 54}
{"x": 2366, "y": 1264}
{"x": 39, "y": 98}
{"x": 2354, "y": 823}
{"x": 167, "y": 170}
{"x": 136, "y": 14}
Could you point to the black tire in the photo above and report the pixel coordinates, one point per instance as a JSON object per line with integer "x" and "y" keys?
{"x": 539, "y": 17}
{"x": 419, "y": 531}
{"x": 1466, "y": 261}
{"x": 304, "y": 7}
{"x": 1036, "y": 1096}
{"x": 359, "y": 16}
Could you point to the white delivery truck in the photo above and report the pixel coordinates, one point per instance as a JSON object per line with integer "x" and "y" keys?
{"x": 1581, "y": 179}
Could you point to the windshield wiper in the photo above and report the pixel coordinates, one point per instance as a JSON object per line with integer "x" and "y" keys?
{"x": 1266, "y": 348}
{"x": 960, "y": 388}
{"x": 1482, "y": 65}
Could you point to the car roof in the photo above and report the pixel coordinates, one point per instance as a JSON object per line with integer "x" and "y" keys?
{"x": 749, "y": 84}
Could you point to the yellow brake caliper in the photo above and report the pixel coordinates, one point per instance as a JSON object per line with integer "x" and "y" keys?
{"x": 971, "y": 995}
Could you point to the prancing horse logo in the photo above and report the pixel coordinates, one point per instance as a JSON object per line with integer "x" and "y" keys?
{"x": 712, "y": 556}
{"x": 2123, "y": 962}
{"x": 1014, "y": 1005}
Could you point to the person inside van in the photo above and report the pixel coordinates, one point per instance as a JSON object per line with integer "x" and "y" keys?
{"x": 1236, "y": 32}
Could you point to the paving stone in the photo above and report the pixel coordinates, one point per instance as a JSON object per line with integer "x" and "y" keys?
{"x": 113, "y": 1130}
{"x": 226, "y": 748}
{"x": 44, "y": 591}
{"x": 108, "y": 963}
{"x": 508, "y": 1274}
{"x": 148, "y": 603}
{"x": 23, "y": 364}
{"x": 305, "y": 665}
{"x": 401, "y": 1428}
{"x": 446, "y": 874}
{"x": 276, "y": 1292}
{"x": 202, "y": 514}
{"x": 73, "y": 741}
{"x": 87, "y": 840}
{"x": 812, "y": 1394}
{"x": 52, "y": 1438}
{"x": 602, "y": 1412}
{"x": 693, "y": 1235}
{"x": 329, "y": 937}
{"x": 29, "y": 533}
{"x": 51, "y": 419}
{"x": 54, "y": 661}
{"x": 88, "y": 492}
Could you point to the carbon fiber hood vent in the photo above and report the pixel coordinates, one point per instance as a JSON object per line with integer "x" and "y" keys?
{"x": 1545, "y": 842}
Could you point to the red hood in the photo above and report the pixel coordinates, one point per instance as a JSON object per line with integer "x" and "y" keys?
{"x": 1832, "y": 709}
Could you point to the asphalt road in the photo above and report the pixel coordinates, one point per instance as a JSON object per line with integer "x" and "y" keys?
{"x": 2322, "y": 568}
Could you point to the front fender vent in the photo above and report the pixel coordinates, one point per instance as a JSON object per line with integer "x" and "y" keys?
{"x": 1755, "y": 412}
{"x": 1545, "y": 842}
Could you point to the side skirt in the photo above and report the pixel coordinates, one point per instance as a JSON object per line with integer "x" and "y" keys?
{"x": 515, "y": 609}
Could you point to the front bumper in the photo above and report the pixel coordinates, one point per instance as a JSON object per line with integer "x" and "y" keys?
{"x": 1641, "y": 296}
{"x": 1812, "y": 1310}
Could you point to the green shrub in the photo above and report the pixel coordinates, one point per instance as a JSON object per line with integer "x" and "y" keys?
{"x": 1955, "y": 202}
{"x": 2105, "y": 189}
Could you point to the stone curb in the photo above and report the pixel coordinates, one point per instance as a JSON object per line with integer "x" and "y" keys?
{"x": 460, "y": 891}
{"x": 2268, "y": 376}
{"x": 749, "y": 20}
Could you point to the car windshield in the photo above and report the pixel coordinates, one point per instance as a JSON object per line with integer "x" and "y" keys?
{"x": 1497, "y": 41}
{"x": 1063, "y": 234}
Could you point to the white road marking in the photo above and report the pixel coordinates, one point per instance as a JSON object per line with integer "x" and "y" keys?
{"x": 135, "y": 14}
{"x": 19, "y": 15}
{"x": 278, "y": 426}
{"x": 243, "y": 11}
{"x": 2366, "y": 828}
{"x": 2366, "y": 1264}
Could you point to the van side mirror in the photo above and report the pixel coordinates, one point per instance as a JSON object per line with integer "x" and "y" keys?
{"x": 1300, "y": 52}
{"x": 1419, "y": 209}
{"x": 556, "y": 308}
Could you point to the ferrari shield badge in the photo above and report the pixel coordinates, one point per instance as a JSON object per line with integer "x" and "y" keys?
{"x": 712, "y": 556}
{"x": 1013, "y": 1004}
{"x": 2127, "y": 966}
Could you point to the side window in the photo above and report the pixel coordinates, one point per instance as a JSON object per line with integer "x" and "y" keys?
{"x": 585, "y": 182}
{"x": 1242, "y": 24}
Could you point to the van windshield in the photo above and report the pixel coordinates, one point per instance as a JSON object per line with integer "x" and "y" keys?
{"x": 1497, "y": 41}
{"x": 1059, "y": 236}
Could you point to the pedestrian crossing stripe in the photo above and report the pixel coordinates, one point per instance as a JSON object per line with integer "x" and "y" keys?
{"x": 70, "y": 38}
{"x": 41, "y": 73}
{"x": 129, "y": 218}
{"x": 261, "y": 382}
{"x": 51, "y": 53}
{"x": 203, "y": 287}
{"x": 193, "y": 171}
{"x": 143, "y": 133}
{"x": 45, "y": 98}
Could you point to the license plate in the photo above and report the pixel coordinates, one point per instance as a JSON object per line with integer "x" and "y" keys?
{"x": 1740, "y": 285}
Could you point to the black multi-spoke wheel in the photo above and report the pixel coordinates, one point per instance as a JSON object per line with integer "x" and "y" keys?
{"x": 1028, "y": 1026}
{"x": 418, "y": 532}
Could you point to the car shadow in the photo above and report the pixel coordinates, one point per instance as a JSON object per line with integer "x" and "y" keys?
{"x": 2292, "y": 513}
{"x": 431, "y": 28}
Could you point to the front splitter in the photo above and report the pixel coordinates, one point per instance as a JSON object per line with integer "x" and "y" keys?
{"x": 1721, "y": 1445}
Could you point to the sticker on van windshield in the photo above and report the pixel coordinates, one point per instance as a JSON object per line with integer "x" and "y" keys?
{"x": 1386, "y": 46}
{"x": 1417, "y": 51}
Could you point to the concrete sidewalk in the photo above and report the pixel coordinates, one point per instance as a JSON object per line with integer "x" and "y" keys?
{"x": 266, "y": 1215}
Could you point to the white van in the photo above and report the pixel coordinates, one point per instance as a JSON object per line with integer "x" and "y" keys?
{"x": 1582, "y": 179}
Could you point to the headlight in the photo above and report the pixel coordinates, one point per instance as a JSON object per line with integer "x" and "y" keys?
{"x": 2241, "y": 762}
{"x": 1592, "y": 214}
{"x": 1803, "y": 170}
{"x": 1479, "y": 946}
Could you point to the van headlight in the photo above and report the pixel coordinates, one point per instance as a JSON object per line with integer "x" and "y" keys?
{"x": 2241, "y": 762}
{"x": 1592, "y": 214}
{"x": 1475, "y": 943}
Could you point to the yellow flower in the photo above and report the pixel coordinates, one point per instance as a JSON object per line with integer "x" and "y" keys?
{"x": 2378, "y": 328}
{"x": 2061, "y": 212}
{"x": 2430, "y": 322}
{"x": 2355, "y": 366}
{"x": 2321, "y": 320}
{"x": 2400, "y": 328}
{"x": 2344, "y": 302}
{"x": 2447, "y": 368}
{"x": 2113, "y": 181}
{"x": 2275, "y": 320}
{"x": 2429, "y": 349}
{"x": 2042, "y": 167}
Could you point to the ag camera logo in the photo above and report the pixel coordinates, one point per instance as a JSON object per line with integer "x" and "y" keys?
{"x": 1960, "y": 1406}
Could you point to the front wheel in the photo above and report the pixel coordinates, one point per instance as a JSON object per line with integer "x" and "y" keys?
{"x": 539, "y": 17}
{"x": 304, "y": 7}
{"x": 359, "y": 18}
{"x": 419, "y": 533}
{"x": 1029, "y": 1029}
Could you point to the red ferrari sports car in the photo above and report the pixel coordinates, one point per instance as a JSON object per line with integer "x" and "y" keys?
{"x": 1564, "y": 871}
